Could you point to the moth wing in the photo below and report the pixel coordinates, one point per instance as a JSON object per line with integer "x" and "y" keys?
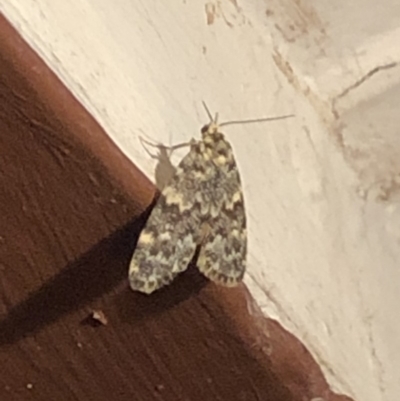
{"x": 222, "y": 256}
{"x": 169, "y": 239}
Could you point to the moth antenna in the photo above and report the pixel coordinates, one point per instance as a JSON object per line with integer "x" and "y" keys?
{"x": 208, "y": 112}
{"x": 256, "y": 120}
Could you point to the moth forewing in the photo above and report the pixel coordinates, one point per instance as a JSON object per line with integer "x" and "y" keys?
{"x": 168, "y": 241}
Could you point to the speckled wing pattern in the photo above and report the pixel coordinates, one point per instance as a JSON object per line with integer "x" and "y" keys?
{"x": 222, "y": 256}
{"x": 202, "y": 206}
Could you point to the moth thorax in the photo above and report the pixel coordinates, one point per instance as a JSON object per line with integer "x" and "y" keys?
{"x": 211, "y": 135}
{"x": 210, "y": 129}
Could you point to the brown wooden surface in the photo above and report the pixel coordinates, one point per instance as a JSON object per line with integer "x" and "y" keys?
{"x": 71, "y": 209}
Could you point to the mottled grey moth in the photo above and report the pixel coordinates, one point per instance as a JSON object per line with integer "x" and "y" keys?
{"x": 201, "y": 206}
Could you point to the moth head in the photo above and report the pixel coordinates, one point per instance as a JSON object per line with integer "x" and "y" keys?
{"x": 212, "y": 127}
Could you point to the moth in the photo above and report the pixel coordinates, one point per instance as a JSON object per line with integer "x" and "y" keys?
{"x": 201, "y": 206}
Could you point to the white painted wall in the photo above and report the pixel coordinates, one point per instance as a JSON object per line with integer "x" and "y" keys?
{"x": 322, "y": 189}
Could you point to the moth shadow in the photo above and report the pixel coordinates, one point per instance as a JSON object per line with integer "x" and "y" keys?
{"x": 134, "y": 307}
{"x": 92, "y": 275}
{"x": 164, "y": 169}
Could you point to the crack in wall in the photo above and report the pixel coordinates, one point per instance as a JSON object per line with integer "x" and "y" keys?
{"x": 360, "y": 81}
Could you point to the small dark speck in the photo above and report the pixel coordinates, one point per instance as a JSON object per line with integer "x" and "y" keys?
{"x": 160, "y": 387}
